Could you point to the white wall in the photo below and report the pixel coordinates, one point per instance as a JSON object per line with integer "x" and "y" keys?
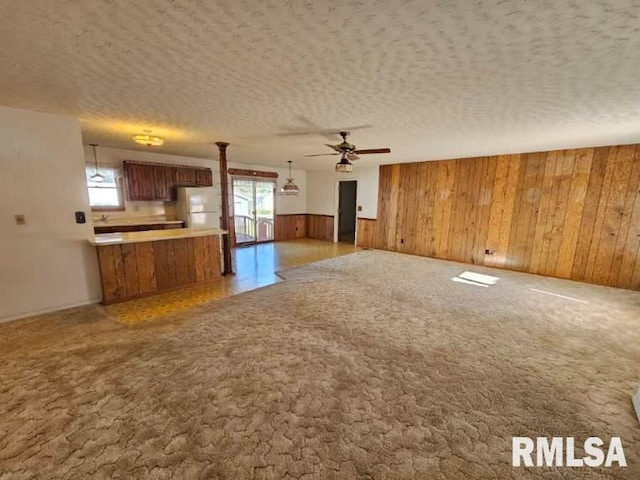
{"x": 322, "y": 191}
{"x": 368, "y": 179}
{"x": 46, "y": 264}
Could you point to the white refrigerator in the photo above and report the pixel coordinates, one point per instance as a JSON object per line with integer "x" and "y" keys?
{"x": 199, "y": 207}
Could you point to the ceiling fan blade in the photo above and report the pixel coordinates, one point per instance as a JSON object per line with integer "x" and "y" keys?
{"x": 322, "y": 155}
{"x": 373, "y": 150}
{"x": 333, "y": 147}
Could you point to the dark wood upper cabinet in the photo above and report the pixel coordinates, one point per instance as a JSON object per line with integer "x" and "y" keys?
{"x": 140, "y": 181}
{"x": 164, "y": 179}
{"x": 186, "y": 177}
{"x": 204, "y": 178}
{"x": 154, "y": 181}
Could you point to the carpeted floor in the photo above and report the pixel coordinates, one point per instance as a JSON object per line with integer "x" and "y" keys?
{"x": 370, "y": 365}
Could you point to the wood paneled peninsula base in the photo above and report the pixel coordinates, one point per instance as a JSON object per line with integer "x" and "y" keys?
{"x": 137, "y": 264}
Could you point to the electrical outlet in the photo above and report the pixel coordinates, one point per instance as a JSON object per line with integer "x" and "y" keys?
{"x": 359, "y": 208}
{"x": 20, "y": 220}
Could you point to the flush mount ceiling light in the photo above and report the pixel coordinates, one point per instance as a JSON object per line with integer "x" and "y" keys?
{"x": 96, "y": 177}
{"x": 147, "y": 139}
{"x": 344, "y": 165}
{"x": 290, "y": 188}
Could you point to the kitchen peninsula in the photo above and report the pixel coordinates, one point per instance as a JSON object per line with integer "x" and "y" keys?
{"x": 135, "y": 264}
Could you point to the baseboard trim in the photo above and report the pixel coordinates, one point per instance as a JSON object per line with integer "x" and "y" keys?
{"x": 43, "y": 311}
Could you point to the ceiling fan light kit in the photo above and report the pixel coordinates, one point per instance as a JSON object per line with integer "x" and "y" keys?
{"x": 344, "y": 166}
{"x": 290, "y": 188}
{"x": 147, "y": 139}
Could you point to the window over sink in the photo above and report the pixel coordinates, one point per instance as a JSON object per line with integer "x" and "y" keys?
{"x": 105, "y": 195}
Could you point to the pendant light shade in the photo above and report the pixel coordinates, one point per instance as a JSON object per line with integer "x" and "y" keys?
{"x": 344, "y": 165}
{"x": 147, "y": 139}
{"x": 97, "y": 176}
{"x": 290, "y": 188}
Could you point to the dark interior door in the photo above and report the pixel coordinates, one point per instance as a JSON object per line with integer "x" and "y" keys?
{"x": 347, "y": 211}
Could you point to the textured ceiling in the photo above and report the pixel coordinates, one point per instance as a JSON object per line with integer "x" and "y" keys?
{"x": 430, "y": 79}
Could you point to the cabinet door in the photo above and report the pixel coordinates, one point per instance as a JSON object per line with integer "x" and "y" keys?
{"x": 140, "y": 181}
{"x": 164, "y": 180}
{"x": 204, "y": 178}
{"x": 186, "y": 177}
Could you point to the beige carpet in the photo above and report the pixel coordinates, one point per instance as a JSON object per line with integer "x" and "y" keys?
{"x": 371, "y": 365}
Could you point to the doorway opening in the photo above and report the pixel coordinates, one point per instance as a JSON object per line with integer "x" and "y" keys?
{"x": 253, "y": 210}
{"x": 347, "y": 211}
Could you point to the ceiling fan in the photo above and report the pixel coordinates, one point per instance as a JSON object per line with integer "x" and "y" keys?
{"x": 349, "y": 153}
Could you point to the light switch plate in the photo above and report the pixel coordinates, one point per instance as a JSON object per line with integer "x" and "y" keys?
{"x": 20, "y": 220}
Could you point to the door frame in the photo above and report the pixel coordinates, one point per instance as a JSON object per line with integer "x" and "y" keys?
{"x": 336, "y": 206}
{"x": 255, "y": 216}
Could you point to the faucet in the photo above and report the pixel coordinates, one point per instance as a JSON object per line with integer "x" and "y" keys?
{"x": 104, "y": 218}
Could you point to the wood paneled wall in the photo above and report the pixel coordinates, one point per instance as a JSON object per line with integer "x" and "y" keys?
{"x": 569, "y": 214}
{"x": 133, "y": 270}
{"x": 299, "y": 225}
{"x": 320, "y": 227}
{"x": 367, "y": 232}
{"x": 290, "y": 227}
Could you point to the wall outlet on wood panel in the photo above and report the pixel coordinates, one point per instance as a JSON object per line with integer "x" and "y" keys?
{"x": 489, "y": 252}
{"x": 20, "y": 220}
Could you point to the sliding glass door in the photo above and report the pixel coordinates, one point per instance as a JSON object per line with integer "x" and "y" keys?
{"x": 253, "y": 210}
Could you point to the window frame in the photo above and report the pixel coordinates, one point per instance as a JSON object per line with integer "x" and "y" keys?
{"x": 119, "y": 189}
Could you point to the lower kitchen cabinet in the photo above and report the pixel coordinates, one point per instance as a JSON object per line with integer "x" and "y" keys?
{"x": 132, "y": 270}
{"x": 136, "y": 228}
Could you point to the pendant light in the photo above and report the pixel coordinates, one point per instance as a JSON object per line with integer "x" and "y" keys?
{"x": 147, "y": 139}
{"x": 344, "y": 165}
{"x": 290, "y": 188}
{"x": 96, "y": 177}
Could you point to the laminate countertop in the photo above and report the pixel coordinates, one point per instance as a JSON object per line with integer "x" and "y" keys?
{"x": 152, "y": 236}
